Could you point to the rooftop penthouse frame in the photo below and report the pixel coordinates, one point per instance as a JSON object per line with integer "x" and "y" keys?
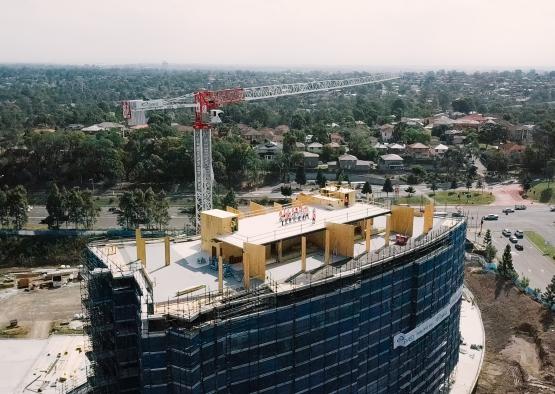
{"x": 244, "y": 254}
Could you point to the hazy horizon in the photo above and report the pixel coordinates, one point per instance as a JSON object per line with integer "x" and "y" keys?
{"x": 399, "y": 35}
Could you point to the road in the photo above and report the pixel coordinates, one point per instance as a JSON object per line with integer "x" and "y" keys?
{"x": 529, "y": 262}
{"x": 108, "y": 220}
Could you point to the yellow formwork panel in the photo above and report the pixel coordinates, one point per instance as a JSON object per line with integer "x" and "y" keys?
{"x": 256, "y": 209}
{"x": 256, "y": 260}
{"x": 402, "y": 220}
{"x": 428, "y": 217}
{"x": 342, "y": 239}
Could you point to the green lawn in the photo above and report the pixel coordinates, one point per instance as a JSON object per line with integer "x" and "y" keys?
{"x": 545, "y": 247}
{"x": 459, "y": 197}
{"x": 541, "y": 193}
{"x": 413, "y": 200}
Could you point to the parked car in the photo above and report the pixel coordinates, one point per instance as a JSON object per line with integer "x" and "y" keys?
{"x": 458, "y": 214}
{"x": 519, "y": 233}
{"x": 491, "y": 216}
{"x": 508, "y": 210}
{"x": 513, "y": 239}
{"x": 520, "y": 207}
{"x": 506, "y": 232}
{"x": 519, "y": 247}
{"x": 552, "y": 209}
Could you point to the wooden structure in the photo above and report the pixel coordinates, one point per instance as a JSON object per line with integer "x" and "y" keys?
{"x": 342, "y": 238}
{"x": 428, "y": 218}
{"x": 347, "y": 196}
{"x": 402, "y": 220}
{"x": 216, "y": 222}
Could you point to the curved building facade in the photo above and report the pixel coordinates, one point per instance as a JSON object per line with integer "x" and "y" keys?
{"x": 384, "y": 325}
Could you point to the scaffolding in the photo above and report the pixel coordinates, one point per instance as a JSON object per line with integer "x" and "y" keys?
{"x": 141, "y": 345}
{"x": 112, "y": 309}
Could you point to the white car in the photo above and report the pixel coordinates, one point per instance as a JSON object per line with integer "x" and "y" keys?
{"x": 506, "y": 232}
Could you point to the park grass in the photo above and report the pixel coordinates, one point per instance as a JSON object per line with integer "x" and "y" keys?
{"x": 451, "y": 197}
{"x": 540, "y": 192}
{"x": 412, "y": 200}
{"x": 545, "y": 247}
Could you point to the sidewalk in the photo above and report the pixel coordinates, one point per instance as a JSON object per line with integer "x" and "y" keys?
{"x": 466, "y": 372}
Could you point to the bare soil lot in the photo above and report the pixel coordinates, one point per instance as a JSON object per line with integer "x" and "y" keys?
{"x": 37, "y": 310}
{"x": 520, "y": 338}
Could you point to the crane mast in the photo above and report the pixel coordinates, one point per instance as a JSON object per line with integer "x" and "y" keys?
{"x": 206, "y": 104}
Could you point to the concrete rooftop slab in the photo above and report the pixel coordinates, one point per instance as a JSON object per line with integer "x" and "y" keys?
{"x": 266, "y": 228}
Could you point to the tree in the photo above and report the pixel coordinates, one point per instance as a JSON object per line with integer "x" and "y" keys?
{"x": 229, "y": 200}
{"x": 320, "y": 178}
{"x": 4, "y": 217}
{"x": 410, "y": 190}
{"x": 89, "y": 210}
{"x": 17, "y": 204}
{"x": 490, "y": 252}
{"x": 412, "y": 179}
{"x": 487, "y": 237}
{"x": 506, "y": 268}
{"x": 387, "y": 186}
{"x": 143, "y": 208}
{"x": 74, "y": 205}
{"x": 526, "y": 183}
{"x": 55, "y": 208}
{"x": 433, "y": 186}
{"x": 549, "y": 294}
{"x": 300, "y": 175}
{"x": 398, "y": 107}
{"x": 160, "y": 212}
{"x": 462, "y": 105}
{"x": 480, "y": 185}
{"x": 324, "y": 181}
{"x": 468, "y": 184}
{"x": 453, "y": 184}
{"x": 286, "y": 190}
{"x": 366, "y": 188}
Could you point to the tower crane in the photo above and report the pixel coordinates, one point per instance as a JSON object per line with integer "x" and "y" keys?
{"x": 206, "y": 104}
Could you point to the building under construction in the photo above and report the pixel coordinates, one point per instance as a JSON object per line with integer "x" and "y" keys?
{"x": 326, "y": 294}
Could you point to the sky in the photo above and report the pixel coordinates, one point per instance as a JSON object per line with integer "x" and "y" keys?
{"x": 365, "y": 34}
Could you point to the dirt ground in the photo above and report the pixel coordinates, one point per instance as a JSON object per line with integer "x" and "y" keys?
{"x": 520, "y": 338}
{"x": 36, "y": 310}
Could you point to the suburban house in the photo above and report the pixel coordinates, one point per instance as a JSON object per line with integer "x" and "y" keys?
{"x": 350, "y": 163}
{"x": 103, "y": 126}
{"x": 310, "y": 160}
{"x": 347, "y": 162}
{"x": 364, "y": 165}
{"x": 418, "y": 150}
{"x": 281, "y": 129}
{"x": 454, "y": 137}
{"x": 268, "y": 150}
{"x": 300, "y": 146}
{"x": 397, "y": 148}
{"x": 523, "y": 134}
{"x": 512, "y": 150}
{"x": 386, "y": 132}
{"x": 439, "y": 150}
{"x": 336, "y": 138}
{"x": 252, "y": 135}
{"x": 390, "y": 162}
{"x": 334, "y": 146}
{"x": 441, "y": 120}
{"x": 380, "y": 147}
{"x": 472, "y": 121}
{"x": 315, "y": 147}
